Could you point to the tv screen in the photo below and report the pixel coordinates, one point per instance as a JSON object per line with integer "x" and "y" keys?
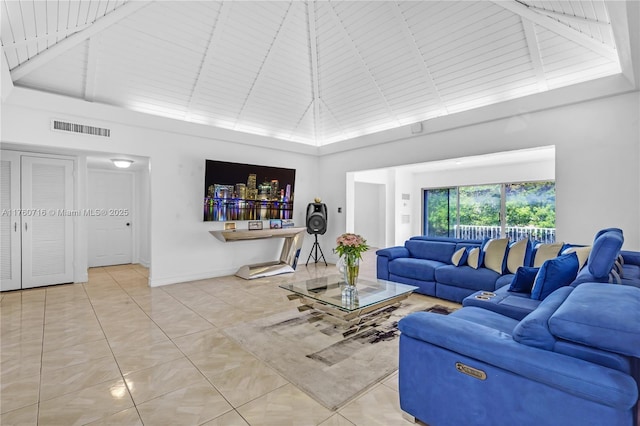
{"x": 235, "y": 191}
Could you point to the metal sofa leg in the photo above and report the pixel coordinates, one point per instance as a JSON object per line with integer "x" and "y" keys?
{"x": 408, "y": 417}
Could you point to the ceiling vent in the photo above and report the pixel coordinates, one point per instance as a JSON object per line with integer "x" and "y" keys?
{"x": 65, "y": 126}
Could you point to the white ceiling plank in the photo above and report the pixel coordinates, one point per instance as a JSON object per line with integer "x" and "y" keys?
{"x": 92, "y": 65}
{"x": 260, "y": 75}
{"x": 209, "y": 59}
{"x": 50, "y": 38}
{"x": 417, "y": 55}
{"x": 313, "y": 47}
{"x": 333, "y": 117}
{"x": 349, "y": 41}
{"x": 534, "y": 52}
{"x": 315, "y": 72}
{"x": 571, "y": 18}
{"x": 621, "y": 14}
{"x": 77, "y": 38}
{"x": 559, "y": 28}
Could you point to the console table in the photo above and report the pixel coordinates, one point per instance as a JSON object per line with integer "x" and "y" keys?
{"x": 293, "y": 238}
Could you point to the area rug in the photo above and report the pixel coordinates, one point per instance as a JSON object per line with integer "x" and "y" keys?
{"x": 312, "y": 353}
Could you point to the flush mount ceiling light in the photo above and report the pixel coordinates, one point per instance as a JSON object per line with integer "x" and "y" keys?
{"x": 122, "y": 163}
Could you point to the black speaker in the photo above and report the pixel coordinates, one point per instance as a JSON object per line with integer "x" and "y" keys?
{"x": 316, "y": 218}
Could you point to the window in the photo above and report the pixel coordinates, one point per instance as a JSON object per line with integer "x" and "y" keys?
{"x": 513, "y": 210}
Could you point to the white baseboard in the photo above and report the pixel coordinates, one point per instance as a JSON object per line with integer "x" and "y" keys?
{"x": 157, "y": 282}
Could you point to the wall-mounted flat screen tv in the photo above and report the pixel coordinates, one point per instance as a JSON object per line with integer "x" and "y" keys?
{"x": 235, "y": 191}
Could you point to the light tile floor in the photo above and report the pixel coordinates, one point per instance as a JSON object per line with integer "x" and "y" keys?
{"x": 114, "y": 351}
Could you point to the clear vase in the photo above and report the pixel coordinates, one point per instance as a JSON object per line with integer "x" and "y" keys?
{"x": 351, "y": 270}
{"x": 349, "y": 296}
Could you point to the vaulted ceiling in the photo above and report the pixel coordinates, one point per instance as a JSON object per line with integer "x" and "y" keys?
{"x": 315, "y": 72}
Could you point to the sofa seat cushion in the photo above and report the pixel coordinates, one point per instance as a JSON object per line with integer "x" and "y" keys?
{"x": 431, "y": 250}
{"x": 419, "y": 269}
{"x": 513, "y": 305}
{"x": 504, "y": 280}
{"x": 486, "y": 318}
{"x": 604, "y": 316}
{"x": 467, "y": 277}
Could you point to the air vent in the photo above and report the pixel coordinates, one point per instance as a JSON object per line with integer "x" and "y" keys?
{"x": 65, "y": 126}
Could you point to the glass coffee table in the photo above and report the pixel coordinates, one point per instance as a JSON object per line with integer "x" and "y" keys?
{"x": 372, "y": 302}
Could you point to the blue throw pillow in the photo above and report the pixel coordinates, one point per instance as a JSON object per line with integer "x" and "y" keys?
{"x": 474, "y": 257}
{"x": 553, "y": 274}
{"x": 523, "y": 279}
{"x": 459, "y": 258}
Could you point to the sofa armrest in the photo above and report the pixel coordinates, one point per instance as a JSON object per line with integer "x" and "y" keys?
{"x": 571, "y": 375}
{"x": 631, "y": 257}
{"x": 393, "y": 252}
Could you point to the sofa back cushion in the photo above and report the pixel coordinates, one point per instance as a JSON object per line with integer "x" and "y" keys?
{"x": 544, "y": 252}
{"x": 494, "y": 253}
{"x": 519, "y": 254}
{"x": 533, "y": 330}
{"x": 581, "y": 251}
{"x": 432, "y": 250}
{"x": 604, "y": 316}
{"x": 604, "y": 252}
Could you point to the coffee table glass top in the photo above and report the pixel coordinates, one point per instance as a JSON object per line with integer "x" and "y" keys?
{"x": 329, "y": 290}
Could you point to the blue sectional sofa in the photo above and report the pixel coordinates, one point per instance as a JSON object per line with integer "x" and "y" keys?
{"x": 600, "y": 267}
{"x": 427, "y": 263}
{"x": 417, "y": 262}
{"x": 571, "y": 361}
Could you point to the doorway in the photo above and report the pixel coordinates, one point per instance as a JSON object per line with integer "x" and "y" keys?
{"x": 110, "y": 222}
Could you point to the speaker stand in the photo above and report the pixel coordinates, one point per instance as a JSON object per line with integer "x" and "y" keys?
{"x": 316, "y": 247}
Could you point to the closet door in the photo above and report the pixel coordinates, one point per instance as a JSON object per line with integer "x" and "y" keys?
{"x": 10, "y": 221}
{"x": 47, "y": 226}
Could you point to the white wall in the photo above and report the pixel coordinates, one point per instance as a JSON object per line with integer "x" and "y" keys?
{"x": 181, "y": 247}
{"x": 597, "y": 149}
{"x": 597, "y": 175}
{"x": 143, "y": 218}
{"x": 370, "y": 204}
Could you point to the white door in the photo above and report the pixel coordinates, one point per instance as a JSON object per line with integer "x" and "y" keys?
{"x": 47, "y": 221}
{"x": 10, "y": 221}
{"x": 110, "y": 231}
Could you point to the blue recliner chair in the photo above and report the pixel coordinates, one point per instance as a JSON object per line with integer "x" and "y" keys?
{"x": 572, "y": 361}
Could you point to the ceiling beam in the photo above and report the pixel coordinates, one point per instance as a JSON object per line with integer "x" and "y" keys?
{"x": 417, "y": 55}
{"x": 570, "y": 18}
{"x": 7, "y": 84}
{"x": 559, "y": 28}
{"x": 49, "y": 36}
{"x": 356, "y": 53}
{"x": 260, "y": 75}
{"x": 313, "y": 53}
{"x": 208, "y": 58}
{"x": 333, "y": 117}
{"x": 534, "y": 54}
{"x": 625, "y": 23}
{"x": 76, "y": 38}
{"x": 92, "y": 68}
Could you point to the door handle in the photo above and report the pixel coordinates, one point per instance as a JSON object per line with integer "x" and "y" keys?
{"x": 128, "y": 224}
{"x": 15, "y": 226}
{"x": 25, "y": 226}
